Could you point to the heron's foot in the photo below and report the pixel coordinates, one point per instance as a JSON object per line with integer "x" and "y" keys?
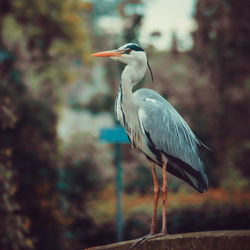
{"x": 142, "y": 240}
{"x": 145, "y": 238}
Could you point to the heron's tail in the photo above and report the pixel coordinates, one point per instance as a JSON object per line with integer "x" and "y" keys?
{"x": 197, "y": 179}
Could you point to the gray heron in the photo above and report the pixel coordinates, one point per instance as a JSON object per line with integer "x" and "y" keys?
{"x": 155, "y": 128}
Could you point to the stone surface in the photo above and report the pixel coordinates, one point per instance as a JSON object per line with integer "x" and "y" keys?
{"x": 213, "y": 240}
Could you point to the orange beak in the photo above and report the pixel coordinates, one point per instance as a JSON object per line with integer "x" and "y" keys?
{"x": 109, "y": 53}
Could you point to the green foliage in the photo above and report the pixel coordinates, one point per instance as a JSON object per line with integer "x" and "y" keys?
{"x": 36, "y": 40}
{"x": 49, "y": 22}
{"x": 13, "y": 226}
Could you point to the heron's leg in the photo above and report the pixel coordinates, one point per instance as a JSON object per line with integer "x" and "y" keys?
{"x": 164, "y": 196}
{"x": 156, "y": 196}
{"x": 152, "y": 234}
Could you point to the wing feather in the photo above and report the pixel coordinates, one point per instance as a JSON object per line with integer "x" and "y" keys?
{"x": 171, "y": 135}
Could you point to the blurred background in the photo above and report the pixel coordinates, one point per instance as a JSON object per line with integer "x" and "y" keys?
{"x": 57, "y": 180}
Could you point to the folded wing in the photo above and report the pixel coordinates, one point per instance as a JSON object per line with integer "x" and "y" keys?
{"x": 166, "y": 132}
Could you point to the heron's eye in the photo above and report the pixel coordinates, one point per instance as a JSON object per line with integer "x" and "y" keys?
{"x": 127, "y": 51}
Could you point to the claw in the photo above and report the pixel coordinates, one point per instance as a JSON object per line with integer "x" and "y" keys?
{"x": 146, "y": 238}
{"x": 140, "y": 241}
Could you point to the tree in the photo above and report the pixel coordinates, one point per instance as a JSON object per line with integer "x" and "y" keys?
{"x": 221, "y": 46}
{"x": 37, "y": 41}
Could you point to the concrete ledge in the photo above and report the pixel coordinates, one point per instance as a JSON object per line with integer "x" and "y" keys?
{"x": 213, "y": 240}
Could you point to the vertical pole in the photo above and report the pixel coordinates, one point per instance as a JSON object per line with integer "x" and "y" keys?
{"x": 119, "y": 188}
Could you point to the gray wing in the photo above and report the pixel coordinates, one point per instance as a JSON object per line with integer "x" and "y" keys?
{"x": 168, "y": 133}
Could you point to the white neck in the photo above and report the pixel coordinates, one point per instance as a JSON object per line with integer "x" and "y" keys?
{"x": 126, "y": 104}
{"x": 133, "y": 73}
{"x": 126, "y": 108}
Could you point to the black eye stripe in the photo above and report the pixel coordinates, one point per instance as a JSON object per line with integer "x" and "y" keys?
{"x": 134, "y": 47}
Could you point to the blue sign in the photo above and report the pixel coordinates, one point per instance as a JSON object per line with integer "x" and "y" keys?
{"x": 113, "y": 135}
{"x": 117, "y": 136}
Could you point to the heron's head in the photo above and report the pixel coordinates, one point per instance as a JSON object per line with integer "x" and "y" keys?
{"x": 130, "y": 53}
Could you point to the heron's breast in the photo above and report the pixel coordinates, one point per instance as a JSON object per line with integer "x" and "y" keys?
{"x": 119, "y": 111}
